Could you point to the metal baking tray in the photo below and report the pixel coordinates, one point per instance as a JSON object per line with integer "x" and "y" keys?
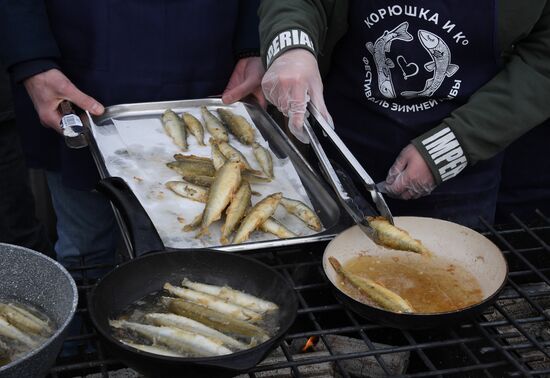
{"x": 334, "y": 220}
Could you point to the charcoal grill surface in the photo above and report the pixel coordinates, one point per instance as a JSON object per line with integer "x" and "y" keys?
{"x": 511, "y": 339}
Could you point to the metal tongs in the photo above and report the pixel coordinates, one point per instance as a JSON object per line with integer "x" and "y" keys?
{"x": 345, "y": 191}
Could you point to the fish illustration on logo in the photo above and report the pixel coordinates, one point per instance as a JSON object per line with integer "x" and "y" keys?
{"x": 384, "y": 64}
{"x": 440, "y": 65}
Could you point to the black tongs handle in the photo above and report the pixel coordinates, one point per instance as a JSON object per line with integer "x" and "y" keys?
{"x": 72, "y": 127}
{"x": 369, "y": 183}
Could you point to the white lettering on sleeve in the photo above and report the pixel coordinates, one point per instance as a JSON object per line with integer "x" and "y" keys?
{"x": 437, "y": 135}
{"x": 446, "y": 153}
{"x": 287, "y": 39}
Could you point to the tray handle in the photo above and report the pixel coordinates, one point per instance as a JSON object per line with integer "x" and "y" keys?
{"x": 143, "y": 234}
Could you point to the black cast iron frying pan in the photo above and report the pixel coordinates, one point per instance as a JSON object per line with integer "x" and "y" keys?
{"x": 471, "y": 250}
{"x": 137, "y": 278}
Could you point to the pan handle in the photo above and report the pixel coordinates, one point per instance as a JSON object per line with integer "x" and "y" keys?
{"x": 143, "y": 234}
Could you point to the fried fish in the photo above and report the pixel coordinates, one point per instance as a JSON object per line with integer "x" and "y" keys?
{"x": 390, "y": 236}
{"x": 383, "y": 297}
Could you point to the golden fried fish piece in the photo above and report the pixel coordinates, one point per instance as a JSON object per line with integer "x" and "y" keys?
{"x": 390, "y": 236}
{"x": 383, "y": 297}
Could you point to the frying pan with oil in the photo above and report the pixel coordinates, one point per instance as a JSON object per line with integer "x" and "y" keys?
{"x": 156, "y": 265}
{"x": 456, "y": 244}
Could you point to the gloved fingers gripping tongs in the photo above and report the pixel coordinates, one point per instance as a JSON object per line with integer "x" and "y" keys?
{"x": 343, "y": 189}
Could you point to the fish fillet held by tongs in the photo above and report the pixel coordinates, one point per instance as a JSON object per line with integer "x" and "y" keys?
{"x": 388, "y": 235}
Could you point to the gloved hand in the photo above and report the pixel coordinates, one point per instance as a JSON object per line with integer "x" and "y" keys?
{"x": 292, "y": 80}
{"x": 409, "y": 177}
{"x": 246, "y": 79}
{"x": 47, "y": 90}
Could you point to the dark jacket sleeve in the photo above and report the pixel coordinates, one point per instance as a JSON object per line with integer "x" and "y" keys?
{"x": 25, "y": 32}
{"x": 287, "y": 24}
{"x": 314, "y": 25}
{"x": 24, "y": 70}
{"x": 509, "y": 105}
{"x": 246, "y": 39}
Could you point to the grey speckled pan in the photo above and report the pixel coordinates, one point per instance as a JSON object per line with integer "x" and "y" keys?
{"x": 30, "y": 277}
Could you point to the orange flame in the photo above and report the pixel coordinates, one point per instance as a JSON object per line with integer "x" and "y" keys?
{"x": 310, "y": 343}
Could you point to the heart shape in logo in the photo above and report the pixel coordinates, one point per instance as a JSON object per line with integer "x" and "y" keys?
{"x": 408, "y": 69}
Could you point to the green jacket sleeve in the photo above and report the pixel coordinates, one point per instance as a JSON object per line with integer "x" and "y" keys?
{"x": 315, "y": 25}
{"x": 287, "y": 24}
{"x": 513, "y": 102}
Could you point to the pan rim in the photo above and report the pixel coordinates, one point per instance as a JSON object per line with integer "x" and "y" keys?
{"x": 464, "y": 310}
{"x": 218, "y": 360}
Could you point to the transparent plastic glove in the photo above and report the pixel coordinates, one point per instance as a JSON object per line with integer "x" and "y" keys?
{"x": 47, "y": 90}
{"x": 409, "y": 177}
{"x": 245, "y": 80}
{"x": 291, "y": 81}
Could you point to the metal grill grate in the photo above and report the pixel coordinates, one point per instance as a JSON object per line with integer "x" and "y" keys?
{"x": 512, "y": 338}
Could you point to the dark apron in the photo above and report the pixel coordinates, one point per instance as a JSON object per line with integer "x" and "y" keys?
{"x": 525, "y": 183}
{"x": 130, "y": 51}
{"x": 402, "y": 67}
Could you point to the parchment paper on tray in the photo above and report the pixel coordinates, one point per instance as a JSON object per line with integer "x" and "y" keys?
{"x": 138, "y": 149}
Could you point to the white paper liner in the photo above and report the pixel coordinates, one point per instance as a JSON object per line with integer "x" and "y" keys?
{"x": 137, "y": 150}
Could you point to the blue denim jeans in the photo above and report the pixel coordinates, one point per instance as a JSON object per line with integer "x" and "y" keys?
{"x": 86, "y": 228}
{"x": 87, "y": 235}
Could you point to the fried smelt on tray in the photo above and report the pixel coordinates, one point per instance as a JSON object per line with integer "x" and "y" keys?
{"x": 193, "y": 158}
{"x": 214, "y": 126}
{"x": 175, "y": 128}
{"x": 195, "y": 127}
{"x": 256, "y": 216}
{"x": 238, "y": 125}
{"x": 255, "y": 178}
{"x": 390, "y": 236}
{"x": 273, "y": 226}
{"x": 302, "y": 211}
{"x": 232, "y": 154}
{"x": 190, "y": 191}
{"x": 218, "y": 159}
{"x": 383, "y": 297}
{"x": 263, "y": 157}
{"x": 200, "y": 180}
{"x": 195, "y": 223}
{"x": 236, "y": 210}
{"x": 192, "y": 167}
{"x": 224, "y": 187}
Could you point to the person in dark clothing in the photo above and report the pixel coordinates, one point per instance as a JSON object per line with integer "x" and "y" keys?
{"x": 525, "y": 181}
{"x": 425, "y": 93}
{"x": 102, "y": 53}
{"x": 18, "y": 223}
